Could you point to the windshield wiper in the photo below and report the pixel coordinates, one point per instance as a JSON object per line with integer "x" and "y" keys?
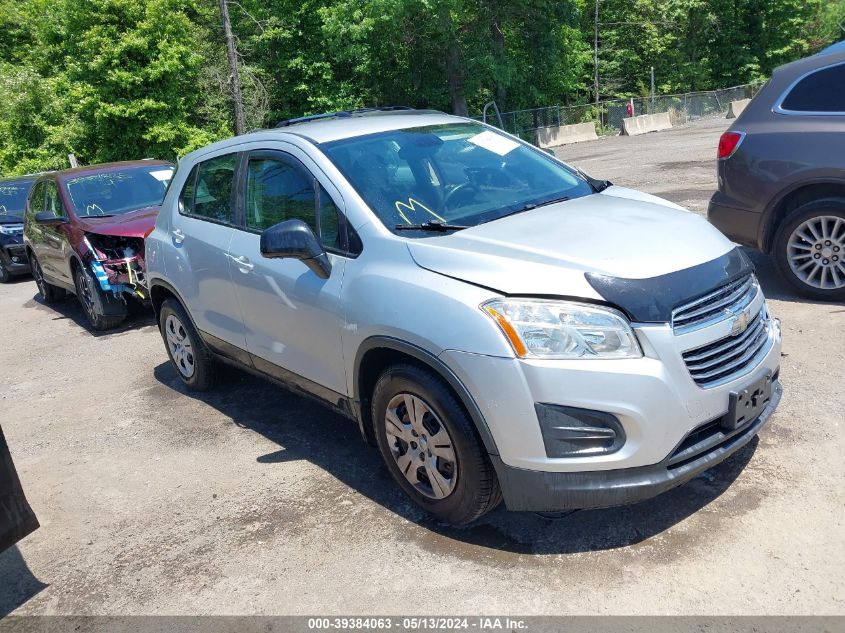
{"x": 436, "y": 227}
{"x": 534, "y": 205}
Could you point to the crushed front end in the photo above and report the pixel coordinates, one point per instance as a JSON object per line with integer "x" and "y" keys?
{"x": 117, "y": 263}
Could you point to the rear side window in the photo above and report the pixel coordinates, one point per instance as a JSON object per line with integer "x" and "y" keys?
{"x": 822, "y": 91}
{"x": 36, "y": 199}
{"x": 208, "y": 190}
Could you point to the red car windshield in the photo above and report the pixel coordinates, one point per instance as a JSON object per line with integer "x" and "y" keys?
{"x": 119, "y": 190}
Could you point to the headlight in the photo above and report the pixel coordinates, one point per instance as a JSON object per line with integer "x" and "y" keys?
{"x": 13, "y": 229}
{"x": 539, "y": 328}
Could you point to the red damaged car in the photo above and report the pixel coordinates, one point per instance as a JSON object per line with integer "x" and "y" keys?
{"x": 84, "y": 232}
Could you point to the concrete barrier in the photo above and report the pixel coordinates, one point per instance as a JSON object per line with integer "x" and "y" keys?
{"x": 565, "y": 134}
{"x": 735, "y": 108}
{"x": 632, "y": 126}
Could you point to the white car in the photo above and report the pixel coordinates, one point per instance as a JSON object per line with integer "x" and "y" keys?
{"x": 498, "y": 323}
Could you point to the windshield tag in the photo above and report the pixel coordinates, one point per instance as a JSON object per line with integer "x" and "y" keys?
{"x": 162, "y": 174}
{"x": 493, "y": 142}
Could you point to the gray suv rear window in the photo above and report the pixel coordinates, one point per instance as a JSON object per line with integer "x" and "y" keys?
{"x": 821, "y": 91}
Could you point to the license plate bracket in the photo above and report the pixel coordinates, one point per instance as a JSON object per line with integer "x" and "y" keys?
{"x": 748, "y": 403}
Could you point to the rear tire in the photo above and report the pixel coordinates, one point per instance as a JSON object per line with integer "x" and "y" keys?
{"x": 809, "y": 249}
{"x": 49, "y": 292}
{"x": 433, "y": 453}
{"x": 92, "y": 297}
{"x": 193, "y": 361}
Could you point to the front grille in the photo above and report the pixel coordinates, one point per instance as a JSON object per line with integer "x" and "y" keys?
{"x": 729, "y": 357}
{"x": 717, "y": 305}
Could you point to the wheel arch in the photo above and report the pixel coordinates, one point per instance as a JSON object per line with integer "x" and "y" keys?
{"x": 794, "y": 197}
{"x": 379, "y": 352}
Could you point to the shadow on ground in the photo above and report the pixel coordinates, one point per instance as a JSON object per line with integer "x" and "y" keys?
{"x": 17, "y": 584}
{"x": 68, "y": 308}
{"x": 304, "y": 430}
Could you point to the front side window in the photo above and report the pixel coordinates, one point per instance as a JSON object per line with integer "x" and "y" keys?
{"x": 279, "y": 189}
{"x": 119, "y": 190}
{"x": 458, "y": 173}
{"x": 208, "y": 190}
{"x": 820, "y": 92}
{"x": 54, "y": 201}
{"x": 13, "y": 197}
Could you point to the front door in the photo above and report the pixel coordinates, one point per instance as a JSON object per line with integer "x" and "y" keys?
{"x": 293, "y": 317}
{"x": 56, "y": 259}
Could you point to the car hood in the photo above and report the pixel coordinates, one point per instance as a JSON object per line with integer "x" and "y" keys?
{"x": 547, "y": 251}
{"x": 132, "y": 224}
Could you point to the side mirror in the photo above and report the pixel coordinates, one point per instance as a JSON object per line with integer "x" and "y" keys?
{"x": 48, "y": 218}
{"x": 293, "y": 239}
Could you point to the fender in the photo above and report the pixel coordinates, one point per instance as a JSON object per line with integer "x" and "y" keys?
{"x": 767, "y": 227}
{"x": 427, "y": 358}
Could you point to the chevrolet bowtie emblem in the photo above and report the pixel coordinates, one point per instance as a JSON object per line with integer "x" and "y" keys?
{"x": 740, "y": 322}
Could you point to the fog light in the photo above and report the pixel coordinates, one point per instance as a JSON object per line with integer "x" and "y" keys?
{"x": 16, "y": 260}
{"x": 573, "y": 432}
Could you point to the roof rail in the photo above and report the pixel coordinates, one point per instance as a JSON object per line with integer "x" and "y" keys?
{"x": 341, "y": 114}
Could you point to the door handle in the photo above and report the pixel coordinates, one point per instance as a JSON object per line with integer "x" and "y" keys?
{"x": 178, "y": 236}
{"x": 243, "y": 264}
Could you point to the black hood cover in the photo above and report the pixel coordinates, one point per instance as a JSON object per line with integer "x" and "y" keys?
{"x": 652, "y": 300}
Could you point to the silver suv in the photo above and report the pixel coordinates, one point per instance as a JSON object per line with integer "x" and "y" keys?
{"x": 499, "y": 324}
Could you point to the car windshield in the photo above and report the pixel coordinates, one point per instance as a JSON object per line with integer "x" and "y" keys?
{"x": 13, "y": 200}
{"x": 457, "y": 174}
{"x": 119, "y": 190}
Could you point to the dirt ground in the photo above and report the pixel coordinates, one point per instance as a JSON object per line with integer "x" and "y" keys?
{"x": 251, "y": 500}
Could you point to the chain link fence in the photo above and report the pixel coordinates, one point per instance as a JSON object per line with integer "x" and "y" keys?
{"x": 607, "y": 115}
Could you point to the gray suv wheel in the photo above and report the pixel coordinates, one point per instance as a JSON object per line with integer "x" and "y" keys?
{"x": 810, "y": 249}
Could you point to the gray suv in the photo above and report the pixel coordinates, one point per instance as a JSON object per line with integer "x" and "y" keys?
{"x": 782, "y": 175}
{"x": 500, "y": 325}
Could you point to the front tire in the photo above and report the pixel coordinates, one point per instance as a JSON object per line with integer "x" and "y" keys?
{"x": 49, "y": 292}
{"x": 5, "y": 277}
{"x": 192, "y": 360}
{"x": 430, "y": 446}
{"x": 809, "y": 249}
{"x": 92, "y": 299}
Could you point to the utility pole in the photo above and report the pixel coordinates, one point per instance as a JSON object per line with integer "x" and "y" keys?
{"x": 596, "y": 55}
{"x": 652, "y": 90}
{"x": 234, "y": 74}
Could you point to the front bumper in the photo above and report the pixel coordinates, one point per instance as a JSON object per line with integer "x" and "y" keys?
{"x": 539, "y": 491}
{"x": 654, "y": 398}
{"x": 14, "y": 258}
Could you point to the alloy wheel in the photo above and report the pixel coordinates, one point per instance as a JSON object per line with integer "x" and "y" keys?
{"x": 179, "y": 345}
{"x": 815, "y": 252}
{"x": 421, "y": 446}
{"x": 83, "y": 291}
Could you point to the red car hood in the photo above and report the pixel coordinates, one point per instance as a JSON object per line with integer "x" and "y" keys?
{"x": 133, "y": 224}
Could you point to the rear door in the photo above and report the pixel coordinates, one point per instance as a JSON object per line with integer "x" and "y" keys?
{"x": 35, "y": 232}
{"x": 200, "y": 233}
{"x": 16, "y": 517}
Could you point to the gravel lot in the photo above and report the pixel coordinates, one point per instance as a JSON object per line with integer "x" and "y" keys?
{"x": 252, "y": 500}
